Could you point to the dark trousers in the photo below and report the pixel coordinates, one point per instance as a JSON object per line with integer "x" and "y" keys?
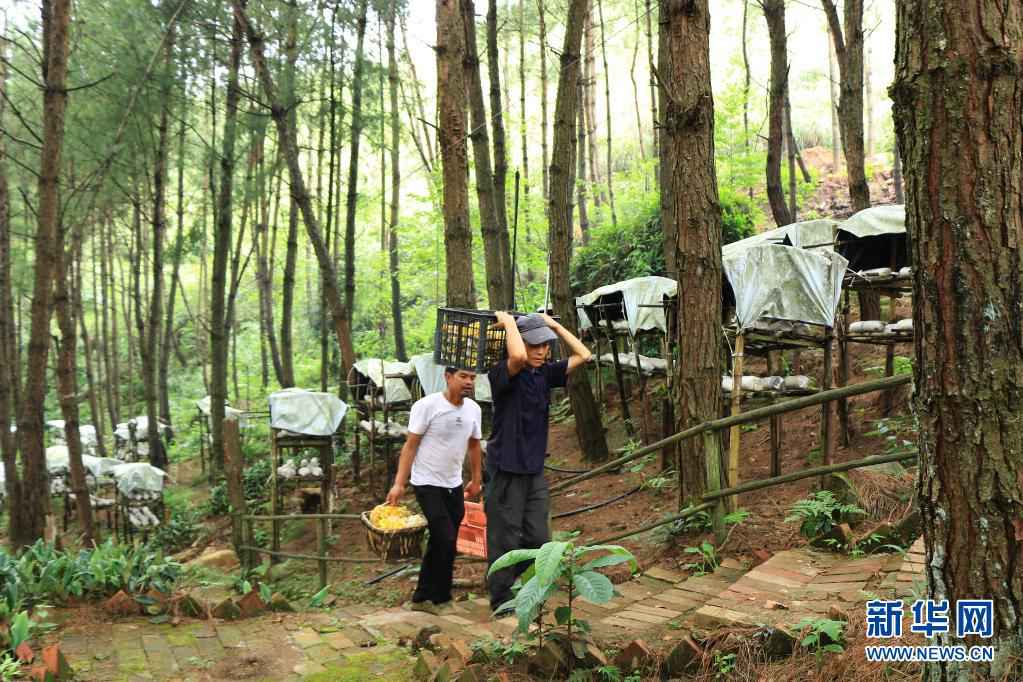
{"x": 517, "y": 506}
{"x": 443, "y": 509}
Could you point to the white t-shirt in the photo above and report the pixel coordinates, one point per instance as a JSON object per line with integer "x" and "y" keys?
{"x": 446, "y": 430}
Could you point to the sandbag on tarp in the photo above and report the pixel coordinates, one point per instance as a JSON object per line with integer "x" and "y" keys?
{"x": 431, "y": 378}
{"x": 785, "y": 283}
{"x": 307, "y": 412}
{"x": 627, "y": 361}
{"x": 395, "y": 390}
{"x": 138, "y": 477}
{"x": 635, "y": 295}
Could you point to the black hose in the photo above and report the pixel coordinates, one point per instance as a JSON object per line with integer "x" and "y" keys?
{"x": 560, "y": 470}
{"x": 598, "y": 505}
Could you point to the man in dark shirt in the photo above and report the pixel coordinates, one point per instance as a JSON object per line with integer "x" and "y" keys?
{"x": 516, "y": 497}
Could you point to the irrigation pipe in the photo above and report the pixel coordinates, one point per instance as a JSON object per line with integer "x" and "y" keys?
{"x": 598, "y": 505}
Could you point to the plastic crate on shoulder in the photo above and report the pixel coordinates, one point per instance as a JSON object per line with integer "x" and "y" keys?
{"x": 469, "y": 339}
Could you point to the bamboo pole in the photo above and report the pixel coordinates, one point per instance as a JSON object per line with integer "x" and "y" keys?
{"x": 753, "y": 415}
{"x": 712, "y": 453}
{"x": 321, "y": 533}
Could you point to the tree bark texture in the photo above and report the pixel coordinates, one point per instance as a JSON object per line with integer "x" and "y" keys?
{"x": 500, "y": 150}
{"x": 28, "y": 525}
{"x": 691, "y": 216}
{"x": 588, "y": 425}
{"x": 958, "y": 96}
{"x": 774, "y": 13}
{"x": 353, "y": 173}
{"x": 392, "y": 240}
{"x": 848, "y": 40}
{"x": 291, "y": 253}
{"x": 452, "y": 89}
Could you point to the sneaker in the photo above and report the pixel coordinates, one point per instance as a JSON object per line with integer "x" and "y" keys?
{"x": 425, "y": 606}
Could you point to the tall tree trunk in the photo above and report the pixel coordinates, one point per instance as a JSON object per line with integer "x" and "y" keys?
{"x": 868, "y": 101}
{"x": 219, "y": 322}
{"x": 451, "y": 88}
{"x": 774, "y": 13}
{"x": 648, "y": 17}
{"x": 151, "y": 357}
{"x": 958, "y": 98}
{"x": 291, "y": 254}
{"x": 353, "y": 167}
{"x": 848, "y": 39}
{"x": 95, "y": 396}
{"x": 110, "y": 304}
{"x": 67, "y": 383}
{"x": 691, "y": 215}
{"x": 497, "y": 288}
{"x": 607, "y": 105}
{"x": 522, "y": 115}
{"x": 580, "y": 182}
{"x": 339, "y": 314}
{"x": 429, "y": 158}
{"x": 392, "y": 237}
{"x": 588, "y": 427}
{"x": 635, "y": 92}
{"x": 500, "y": 150}
{"x": 168, "y": 329}
{"x": 746, "y": 80}
{"x": 9, "y": 373}
{"x": 836, "y": 147}
{"x": 589, "y": 92}
{"x": 790, "y": 147}
{"x": 900, "y": 197}
{"x": 28, "y": 525}
{"x": 541, "y": 10}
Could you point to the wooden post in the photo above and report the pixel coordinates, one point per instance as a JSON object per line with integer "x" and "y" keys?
{"x": 826, "y": 447}
{"x": 843, "y": 371}
{"x": 712, "y": 453}
{"x": 622, "y": 398}
{"x": 596, "y": 361}
{"x": 321, "y": 538}
{"x": 776, "y": 445}
{"x": 889, "y": 362}
{"x": 250, "y": 531}
{"x": 736, "y": 431}
{"x": 233, "y": 469}
{"x": 644, "y": 398}
{"x": 275, "y": 500}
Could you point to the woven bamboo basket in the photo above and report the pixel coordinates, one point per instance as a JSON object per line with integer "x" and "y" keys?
{"x": 396, "y": 544}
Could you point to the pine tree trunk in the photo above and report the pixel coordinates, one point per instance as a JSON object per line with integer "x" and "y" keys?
{"x": 790, "y": 147}
{"x": 589, "y": 102}
{"x": 452, "y": 88}
{"x": 691, "y": 216}
{"x": 110, "y": 344}
{"x": 497, "y": 288}
{"x": 581, "y": 194}
{"x": 648, "y": 17}
{"x": 392, "y": 238}
{"x": 774, "y": 13}
{"x": 848, "y": 40}
{"x": 836, "y": 147}
{"x": 28, "y": 525}
{"x": 168, "y": 330}
{"x": 589, "y": 429}
{"x": 522, "y": 115}
{"x": 339, "y": 313}
{"x": 67, "y": 383}
{"x": 430, "y": 158}
{"x": 88, "y": 348}
{"x": 607, "y": 104}
{"x": 635, "y": 92}
{"x": 541, "y": 10}
{"x": 958, "y": 103}
{"x": 291, "y": 254}
{"x": 353, "y": 162}
{"x": 500, "y": 151}
{"x": 900, "y": 197}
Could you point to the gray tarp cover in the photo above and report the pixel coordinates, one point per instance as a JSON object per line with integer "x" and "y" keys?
{"x": 635, "y": 292}
{"x": 306, "y": 412}
{"x": 431, "y": 378}
{"x": 876, "y": 221}
{"x": 784, "y": 283}
{"x": 205, "y": 406}
{"x": 395, "y": 390}
{"x": 819, "y": 234}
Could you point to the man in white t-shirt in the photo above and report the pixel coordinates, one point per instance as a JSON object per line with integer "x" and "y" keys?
{"x": 441, "y": 429}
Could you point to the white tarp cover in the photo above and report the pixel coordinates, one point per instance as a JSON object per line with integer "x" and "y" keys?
{"x": 636, "y": 292}
{"x": 205, "y": 406}
{"x": 57, "y": 459}
{"x": 785, "y": 283}
{"x": 818, "y": 234}
{"x": 876, "y": 221}
{"x": 141, "y": 428}
{"x": 99, "y": 466}
{"x": 136, "y": 477}
{"x": 395, "y": 390}
{"x": 306, "y": 412}
{"x": 431, "y": 378}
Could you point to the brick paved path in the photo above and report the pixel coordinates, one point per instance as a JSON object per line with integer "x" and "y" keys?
{"x": 360, "y": 643}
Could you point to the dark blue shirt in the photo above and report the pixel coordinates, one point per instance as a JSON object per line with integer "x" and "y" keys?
{"x": 518, "y": 443}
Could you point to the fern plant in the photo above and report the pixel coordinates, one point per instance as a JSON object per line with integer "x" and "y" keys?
{"x": 819, "y": 513}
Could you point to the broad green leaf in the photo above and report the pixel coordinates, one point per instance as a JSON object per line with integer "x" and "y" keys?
{"x": 593, "y": 587}
{"x": 317, "y": 600}
{"x": 562, "y": 614}
{"x": 528, "y": 600}
{"x": 809, "y": 640}
{"x": 20, "y": 629}
{"x": 610, "y": 560}
{"x": 511, "y": 558}
{"x": 614, "y": 549}
{"x": 548, "y": 561}
{"x": 834, "y": 648}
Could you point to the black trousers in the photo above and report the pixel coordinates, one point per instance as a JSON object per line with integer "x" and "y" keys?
{"x": 443, "y": 509}
{"x": 517, "y": 507}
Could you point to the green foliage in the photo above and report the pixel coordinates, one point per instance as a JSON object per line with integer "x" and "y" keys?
{"x": 697, "y": 523}
{"x": 707, "y": 558}
{"x": 256, "y": 483}
{"x": 10, "y": 669}
{"x": 180, "y": 531}
{"x": 724, "y": 665}
{"x": 496, "y": 651}
{"x": 822, "y": 635}
{"x": 557, "y": 566}
{"x": 819, "y": 513}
